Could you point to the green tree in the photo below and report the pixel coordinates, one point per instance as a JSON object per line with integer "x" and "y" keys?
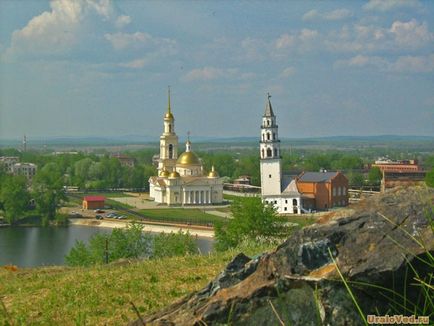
{"x": 429, "y": 178}
{"x": 14, "y": 197}
{"x": 174, "y": 244}
{"x": 48, "y": 190}
{"x": 375, "y": 176}
{"x": 356, "y": 179}
{"x": 252, "y": 220}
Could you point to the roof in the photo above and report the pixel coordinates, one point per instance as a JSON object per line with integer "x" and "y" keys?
{"x": 289, "y": 186}
{"x": 317, "y": 176}
{"x": 188, "y": 158}
{"x": 268, "y": 109}
{"x": 94, "y": 198}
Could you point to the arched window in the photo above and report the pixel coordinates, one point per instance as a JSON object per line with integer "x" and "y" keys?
{"x": 269, "y": 152}
{"x": 268, "y": 122}
{"x": 170, "y": 127}
{"x": 294, "y": 202}
{"x": 274, "y": 136}
{"x": 263, "y": 154}
{"x": 275, "y": 152}
{"x": 263, "y": 136}
{"x": 268, "y": 136}
{"x": 170, "y": 151}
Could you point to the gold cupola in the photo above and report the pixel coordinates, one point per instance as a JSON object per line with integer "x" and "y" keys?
{"x": 174, "y": 175}
{"x": 188, "y": 157}
{"x": 213, "y": 173}
{"x": 164, "y": 173}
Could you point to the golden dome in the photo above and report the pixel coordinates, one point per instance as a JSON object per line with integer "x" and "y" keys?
{"x": 213, "y": 173}
{"x": 174, "y": 175}
{"x": 164, "y": 173}
{"x": 168, "y": 115}
{"x": 188, "y": 158}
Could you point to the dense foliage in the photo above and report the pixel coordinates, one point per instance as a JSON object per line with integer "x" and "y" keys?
{"x": 252, "y": 220}
{"x": 130, "y": 242}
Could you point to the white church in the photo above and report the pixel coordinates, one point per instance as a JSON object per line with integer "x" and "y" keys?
{"x": 181, "y": 179}
{"x": 276, "y": 189}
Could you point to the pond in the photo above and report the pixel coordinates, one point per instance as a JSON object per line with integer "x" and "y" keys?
{"x": 37, "y": 246}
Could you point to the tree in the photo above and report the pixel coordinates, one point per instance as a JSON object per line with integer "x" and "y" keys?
{"x": 429, "y": 178}
{"x": 48, "y": 190}
{"x": 375, "y": 176}
{"x": 356, "y": 179}
{"x": 252, "y": 220}
{"x": 14, "y": 197}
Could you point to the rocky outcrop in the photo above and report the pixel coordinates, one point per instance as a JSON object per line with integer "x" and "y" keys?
{"x": 379, "y": 249}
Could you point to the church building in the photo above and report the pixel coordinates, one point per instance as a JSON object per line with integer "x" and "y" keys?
{"x": 181, "y": 179}
{"x": 294, "y": 195}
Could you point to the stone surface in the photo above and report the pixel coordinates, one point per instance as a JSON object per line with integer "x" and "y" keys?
{"x": 299, "y": 282}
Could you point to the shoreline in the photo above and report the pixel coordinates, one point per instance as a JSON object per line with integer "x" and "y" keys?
{"x": 155, "y": 228}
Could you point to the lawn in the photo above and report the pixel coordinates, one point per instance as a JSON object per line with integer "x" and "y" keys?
{"x": 301, "y": 220}
{"x": 101, "y": 295}
{"x": 185, "y": 215}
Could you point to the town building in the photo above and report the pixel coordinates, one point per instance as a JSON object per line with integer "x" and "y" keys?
{"x": 7, "y": 162}
{"x": 392, "y": 179}
{"x": 26, "y": 169}
{"x": 386, "y": 164}
{"x": 93, "y": 202}
{"x": 289, "y": 194}
{"x": 181, "y": 180}
{"x": 125, "y": 160}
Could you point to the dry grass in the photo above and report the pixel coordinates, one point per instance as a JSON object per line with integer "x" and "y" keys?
{"x": 102, "y": 294}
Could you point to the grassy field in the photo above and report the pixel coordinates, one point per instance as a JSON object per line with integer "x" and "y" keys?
{"x": 191, "y": 215}
{"x": 101, "y": 295}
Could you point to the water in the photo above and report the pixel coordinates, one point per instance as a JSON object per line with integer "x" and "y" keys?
{"x": 37, "y": 246}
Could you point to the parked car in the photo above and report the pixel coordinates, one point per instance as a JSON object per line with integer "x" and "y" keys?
{"x": 112, "y": 215}
{"x": 75, "y": 214}
{"x": 99, "y": 217}
{"x": 122, "y": 217}
{"x": 98, "y": 211}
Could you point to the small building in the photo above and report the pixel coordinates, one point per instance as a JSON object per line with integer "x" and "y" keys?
{"x": 125, "y": 160}
{"x": 7, "y": 162}
{"x": 323, "y": 190}
{"x": 93, "y": 202}
{"x": 393, "y": 179}
{"x": 385, "y": 164}
{"x": 243, "y": 180}
{"x": 26, "y": 169}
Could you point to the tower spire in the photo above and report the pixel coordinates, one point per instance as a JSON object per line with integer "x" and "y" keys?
{"x": 168, "y": 95}
{"x": 268, "y": 109}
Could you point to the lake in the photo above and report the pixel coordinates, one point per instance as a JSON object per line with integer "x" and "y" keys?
{"x": 37, "y": 246}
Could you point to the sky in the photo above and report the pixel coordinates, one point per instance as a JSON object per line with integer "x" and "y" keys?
{"x": 101, "y": 68}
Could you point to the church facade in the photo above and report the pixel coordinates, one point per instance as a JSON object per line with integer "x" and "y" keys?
{"x": 181, "y": 179}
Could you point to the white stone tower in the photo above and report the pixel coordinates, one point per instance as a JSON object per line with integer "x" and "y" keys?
{"x": 271, "y": 167}
{"x": 168, "y": 142}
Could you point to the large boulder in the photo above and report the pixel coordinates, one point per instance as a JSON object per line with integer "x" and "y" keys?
{"x": 380, "y": 249}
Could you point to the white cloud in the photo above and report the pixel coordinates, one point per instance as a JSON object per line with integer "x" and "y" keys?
{"x": 121, "y": 41}
{"x": 337, "y": 14}
{"x": 411, "y": 33}
{"x": 289, "y": 71}
{"x": 209, "y": 73}
{"x": 122, "y": 21}
{"x": 285, "y": 41}
{"x": 402, "y": 64}
{"x": 415, "y": 64}
{"x": 387, "y": 5}
{"x": 135, "y": 64}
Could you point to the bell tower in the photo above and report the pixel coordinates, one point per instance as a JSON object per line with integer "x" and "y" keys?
{"x": 270, "y": 163}
{"x": 168, "y": 142}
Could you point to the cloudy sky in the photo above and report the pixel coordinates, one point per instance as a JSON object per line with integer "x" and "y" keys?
{"x": 100, "y": 67}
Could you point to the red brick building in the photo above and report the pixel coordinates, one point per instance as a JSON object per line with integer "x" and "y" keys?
{"x": 393, "y": 179}
{"x": 323, "y": 190}
{"x": 93, "y": 202}
{"x": 397, "y": 166}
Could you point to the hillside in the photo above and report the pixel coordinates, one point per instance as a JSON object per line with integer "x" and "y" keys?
{"x": 102, "y": 294}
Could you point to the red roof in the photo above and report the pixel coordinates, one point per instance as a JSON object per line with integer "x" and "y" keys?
{"x": 94, "y": 198}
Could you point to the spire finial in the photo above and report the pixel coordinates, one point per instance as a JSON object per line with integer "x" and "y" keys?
{"x": 188, "y": 136}
{"x": 168, "y": 95}
{"x": 268, "y": 96}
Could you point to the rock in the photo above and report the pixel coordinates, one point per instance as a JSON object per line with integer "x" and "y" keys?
{"x": 377, "y": 246}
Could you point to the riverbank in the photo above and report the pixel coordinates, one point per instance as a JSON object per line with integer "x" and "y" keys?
{"x": 199, "y": 231}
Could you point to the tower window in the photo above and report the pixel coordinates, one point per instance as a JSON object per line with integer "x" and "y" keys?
{"x": 274, "y": 136}
{"x": 275, "y": 152}
{"x": 269, "y": 152}
{"x": 269, "y": 176}
{"x": 170, "y": 127}
{"x": 170, "y": 150}
{"x": 268, "y": 136}
{"x": 263, "y": 153}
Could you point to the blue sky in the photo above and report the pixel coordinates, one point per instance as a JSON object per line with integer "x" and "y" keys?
{"x": 101, "y": 68}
